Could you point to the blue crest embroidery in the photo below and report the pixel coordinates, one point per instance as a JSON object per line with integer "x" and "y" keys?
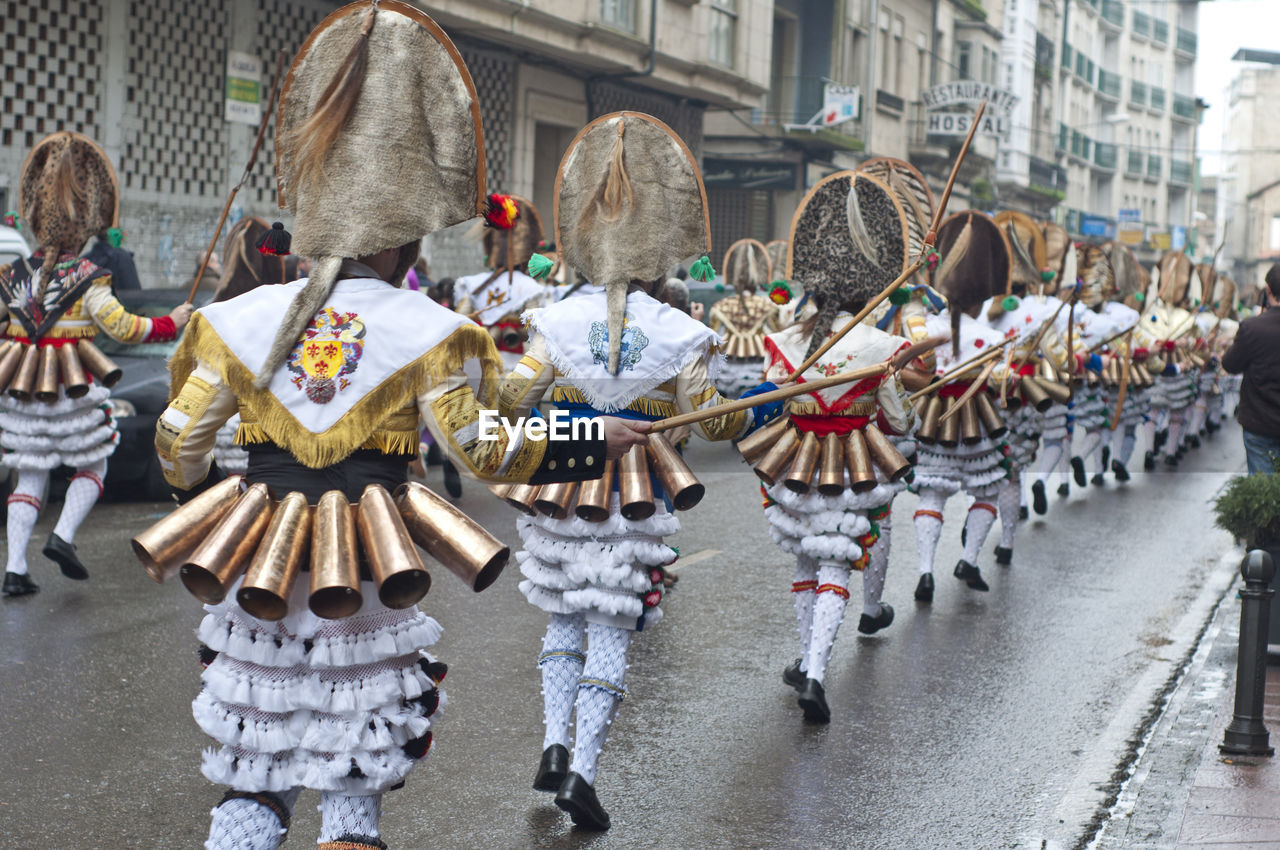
{"x": 633, "y": 343}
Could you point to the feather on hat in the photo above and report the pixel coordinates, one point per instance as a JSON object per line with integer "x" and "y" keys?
{"x": 630, "y": 204}
{"x": 912, "y": 192}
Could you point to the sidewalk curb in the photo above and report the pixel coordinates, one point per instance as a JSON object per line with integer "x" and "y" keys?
{"x": 1147, "y": 808}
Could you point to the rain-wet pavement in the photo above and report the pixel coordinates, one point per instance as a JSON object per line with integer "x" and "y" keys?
{"x": 985, "y": 721}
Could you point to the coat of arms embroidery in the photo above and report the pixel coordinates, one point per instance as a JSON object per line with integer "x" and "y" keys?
{"x": 328, "y": 352}
{"x": 633, "y": 343}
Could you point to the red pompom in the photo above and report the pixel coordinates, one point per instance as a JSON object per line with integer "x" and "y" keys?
{"x": 501, "y": 211}
{"x": 652, "y": 598}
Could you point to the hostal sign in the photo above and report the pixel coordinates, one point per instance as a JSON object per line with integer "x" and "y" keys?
{"x": 945, "y": 121}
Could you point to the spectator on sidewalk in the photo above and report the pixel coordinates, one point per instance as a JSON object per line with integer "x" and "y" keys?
{"x": 1256, "y": 354}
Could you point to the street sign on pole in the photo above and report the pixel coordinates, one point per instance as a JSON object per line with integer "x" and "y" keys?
{"x": 840, "y": 104}
{"x": 244, "y": 88}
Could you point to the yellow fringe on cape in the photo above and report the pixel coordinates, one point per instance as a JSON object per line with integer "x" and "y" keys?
{"x": 359, "y": 424}
{"x": 643, "y": 405}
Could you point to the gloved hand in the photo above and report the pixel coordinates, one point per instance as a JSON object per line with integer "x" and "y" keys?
{"x": 765, "y": 413}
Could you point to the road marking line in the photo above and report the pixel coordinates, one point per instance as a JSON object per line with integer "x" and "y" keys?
{"x": 686, "y": 561}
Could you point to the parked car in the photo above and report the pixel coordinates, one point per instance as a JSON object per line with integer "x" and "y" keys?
{"x": 133, "y": 472}
{"x": 12, "y": 246}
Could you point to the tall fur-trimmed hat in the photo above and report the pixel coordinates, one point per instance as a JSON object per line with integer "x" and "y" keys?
{"x": 1057, "y": 245}
{"x": 244, "y": 267}
{"x": 630, "y": 204}
{"x": 912, "y": 192}
{"x": 524, "y": 235}
{"x": 1129, "y": 277}
{"x": 848, "y": 242}
{"x": 974, "y": 261}
{"x": 777, "y": 249}
{"x": 378, "y": 143}
{"x": 1175, "y": 277}
{"x": 746, "y": 266}
{"x": 1097, "y": 278}
{"x": 1225, "y": 294}
{"x": 1208, "y": 278}
{"x": 1029, "y": 253}
{"x": 67, "y": 192}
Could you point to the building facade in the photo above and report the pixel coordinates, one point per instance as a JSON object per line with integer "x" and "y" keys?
{"x": 1248, "y": 208}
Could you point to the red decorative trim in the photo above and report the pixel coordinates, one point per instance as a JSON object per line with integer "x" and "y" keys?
{"x": 802, "y": 586}
{"x": 824, "y": 425}
{"x": 842, "y": 592}
{"x": 866, "y": 385}
{"x": 986, "y": 506}
{"x": 24, "y": 499}
{"x": 935, "y": 514}
{"x": 91, "y": 476}
{"x": 163, "y": 329}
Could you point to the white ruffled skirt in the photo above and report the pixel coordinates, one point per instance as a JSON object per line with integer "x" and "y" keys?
{"x": 1023, "y": 437}
{"x": 976, "y": 469}
{"x": 739, "y": 374}
{"x": 1174, "y": 392}
{"x": 602, "y": 570}
{"x": 44, "y": 435}
{"x": 1053, "y": 423}
{"x": 334, "y": 705}
{"x": 826, "y": 528}
{"x": 1089, "y": 410}
{"x": 1137, "y": 406}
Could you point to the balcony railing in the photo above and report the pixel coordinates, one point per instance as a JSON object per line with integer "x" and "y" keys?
{"x": 1063, "y": 135}
{"x": 1066, "y": 55}
{"x": 1113, "y": 12}
{"x": 1186, "y": 42}
{"x": 1180, "y": 172}
{"x": 1160, "y": 32}
{"x": 1184, "y": 107}
{"x": 1141, "y": 24}
{"x": 1154, "y": 166}
{"x": 1157, "y": 99}
{"x": 1047, "y": 174}
{"x": 1108, "y": 84}
{"x": 1105, "y": 155}
{"x": 1138, "y": 93}
{"x": 1134, "y": 164}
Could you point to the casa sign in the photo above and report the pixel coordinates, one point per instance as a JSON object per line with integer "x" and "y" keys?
{"x": 944, "y": 120}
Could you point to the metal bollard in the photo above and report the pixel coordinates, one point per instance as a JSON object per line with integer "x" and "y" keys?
{"x": 1246, "y": 734}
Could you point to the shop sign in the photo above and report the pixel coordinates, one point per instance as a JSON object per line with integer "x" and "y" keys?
{"x": 748, "y": 174}
{"x": 945, "y": 120}
{"x": 244, "y": 88}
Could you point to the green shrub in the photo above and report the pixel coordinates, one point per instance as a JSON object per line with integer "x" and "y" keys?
{"x": 1249, "y": 508}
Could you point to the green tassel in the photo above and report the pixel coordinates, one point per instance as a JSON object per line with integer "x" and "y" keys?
{"x": 719, "y": 287}
{"x": 900, "y": 296}
{"x": 115, "y": 236}
{"x": 1140, "y": 296}
{"x": 1046, "y": 275}
{"x": 540, "y": 266}
{"x": 1010, "y": 303}
{"x": 702, "y": 270}
{"x": 11, "y": 220}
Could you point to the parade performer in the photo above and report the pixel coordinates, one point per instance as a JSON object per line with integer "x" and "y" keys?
{"x": 1162, "y": 333}
{"x": 630, "y": 206}
{"x": 249, "y": 260}
{"x": 1098, "y": 318}
{"x": 827, "y": 497}
{"x": 512, "y": 234}
{"x": 52, "y": 413}
{"x": 310, "y": 690}
{"x": 966, "y": 452}
{"x": 1134, "y": 412}
{"x": 1016, "y": 310}
{"x": 1055, "y": 433}
{"x": 743, "y": 320}
{"x": 1226, "y": 387}
{"x": 1207, "y": 352}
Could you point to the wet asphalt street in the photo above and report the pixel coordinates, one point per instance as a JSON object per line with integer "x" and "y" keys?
{"x": 990, "y": 720}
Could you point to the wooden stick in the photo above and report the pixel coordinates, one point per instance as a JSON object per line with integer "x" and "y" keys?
{"x": 862, "y": 314}
{"x": 971, "y": 391}
{"x": 929, "y": 239}
{"x": 932, "y": 235}
{"x": 1125, "y": 366}
{"x": 248, "y": 169}
{"x": 771, "y": 396}
{"x": 975, "y": 360}
{"x": 1112, "y": 338}
{"x": 1044, "y": 329}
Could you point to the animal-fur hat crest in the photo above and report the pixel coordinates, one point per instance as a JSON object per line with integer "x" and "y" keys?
{"x": 67, "y": 192}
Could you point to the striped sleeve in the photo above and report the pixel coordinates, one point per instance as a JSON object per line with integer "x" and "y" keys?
{"x": 694, "y": 391}
{"x": 188, "y": 427}
{"x": 110, "y": 315}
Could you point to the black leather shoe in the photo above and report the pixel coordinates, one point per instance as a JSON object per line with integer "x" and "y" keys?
{"x": 1181, "y": 452}
{"x": 1064, "y": 489}
{"x": 63, "y": 554}
{"x": 1117, "y": 467}
{"x": 970, "y": 575}
{"x": 552, "y": 769}
{"x": 813, "y": 699}
{"x": 1039, "y": 503}
{"x": 1077, "y": 471}
{"x": 452, "y": 481}
{"x": 1171, "y": 461}
{"x": 924, "y": 588}
{"x": 871, "y": 625}
{"x": 1149, "y": 461}
{"x": 793, "y": 677}
{"x": 1193, "y": 441}
{"x": 18, "y": 585}
{"x": 1023, "y": 513}
{"x": 1097, "y": 480}
{"x": 1106, "y": 456}
{"x": 578, "y": 798}
{"x": 1004, "y": 557}
{"x": 1162, "y": 437}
